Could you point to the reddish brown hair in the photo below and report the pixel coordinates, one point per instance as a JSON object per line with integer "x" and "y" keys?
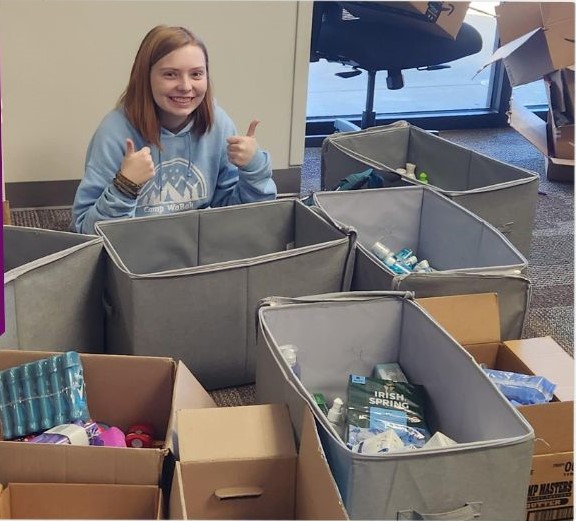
{"x": 137, "y": 99}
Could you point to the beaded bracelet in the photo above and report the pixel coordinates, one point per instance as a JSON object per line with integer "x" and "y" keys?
{"x": 126, "y": 186}
{"x": 124, "y": 180}
{"x": 124, "y": 189}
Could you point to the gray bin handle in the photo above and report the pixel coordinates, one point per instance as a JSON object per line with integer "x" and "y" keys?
{"x": 468, "y": 512}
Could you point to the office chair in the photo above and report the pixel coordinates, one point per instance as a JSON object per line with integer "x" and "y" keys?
{"x": 370, "y": 36}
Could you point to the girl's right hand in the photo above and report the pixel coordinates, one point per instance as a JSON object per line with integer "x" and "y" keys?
{"x": 137, "y": 166}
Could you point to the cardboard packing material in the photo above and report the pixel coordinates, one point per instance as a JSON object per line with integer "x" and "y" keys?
{"x": 6, "y": 215}
{"x": 121, "y": 391}
{"x": 473, "y": 321}
{"x": 560, "y": 90}
{"x": 439, "y": 18}
{"x": 80, "y": 501}
{"x": 536, "y": 39}
{"x": 538, "y": 132}
{"x": 241, "y": 463}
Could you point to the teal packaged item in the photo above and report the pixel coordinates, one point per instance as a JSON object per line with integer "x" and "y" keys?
{"x": 42, "y": 394}
{"x": 376, "y": 405}
{"x": 360, "y": 181}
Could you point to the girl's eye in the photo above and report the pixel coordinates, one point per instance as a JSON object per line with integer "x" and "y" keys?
{"x": 198, "y": 74}
{"x": 169, "y": 75}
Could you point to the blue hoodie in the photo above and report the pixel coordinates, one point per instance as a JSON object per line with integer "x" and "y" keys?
{"x": 190, "y": 172}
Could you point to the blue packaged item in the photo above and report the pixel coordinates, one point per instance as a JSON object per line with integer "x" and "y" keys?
{"x": 522, "y": 389}
{"x": 42, "y": 394}
{"x": 403, "y": 254}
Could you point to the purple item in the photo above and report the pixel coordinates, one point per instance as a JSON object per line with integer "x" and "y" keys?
{"x": 112, "y": 437}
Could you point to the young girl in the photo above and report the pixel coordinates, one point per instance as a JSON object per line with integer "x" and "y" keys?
{"x": 167, "y": 147}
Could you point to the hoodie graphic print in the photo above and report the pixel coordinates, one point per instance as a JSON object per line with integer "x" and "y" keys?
{"x": 177, "y": 185}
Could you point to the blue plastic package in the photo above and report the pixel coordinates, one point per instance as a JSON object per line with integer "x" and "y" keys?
{"x": 39, "y": 395}
{"x": 522, "y": 389}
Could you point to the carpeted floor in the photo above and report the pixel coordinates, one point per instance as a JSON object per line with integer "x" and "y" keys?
{"x": 551, "y": 259}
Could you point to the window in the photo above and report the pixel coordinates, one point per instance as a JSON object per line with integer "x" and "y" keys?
{"x": 459, "y": 91}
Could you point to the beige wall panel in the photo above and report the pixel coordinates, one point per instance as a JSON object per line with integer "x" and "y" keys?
{"x": 65, "y": 62}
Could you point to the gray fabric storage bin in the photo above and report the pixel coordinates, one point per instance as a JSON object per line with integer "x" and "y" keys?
{"x": 502, "y": 194}
{"x": 471, "y": 256}
{"x": 186, "y": 285}
{"x": 53, "y": 284}
{"x": 486, "y": 474}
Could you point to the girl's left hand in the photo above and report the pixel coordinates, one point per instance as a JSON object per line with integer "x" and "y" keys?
{"x": 241, "y": 149}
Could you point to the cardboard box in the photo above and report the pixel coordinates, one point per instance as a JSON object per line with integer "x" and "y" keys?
{"x": 80, "y": 501}
{"x": 121, "y": 391}
{"x": 259, "y": 445}
{"x": 439, "y": 18}
{"x": 560, "y": 91}
{"x": 473, "y": 321}
{"x": 6, "y": 215}
{"x": 538, "y": 133}
{"x": 237, "y": 462}
{"x": 536, "y": 39}
{"x": 550, "y": 494}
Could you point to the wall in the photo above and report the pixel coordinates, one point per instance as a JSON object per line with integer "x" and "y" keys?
{"x": 65, "y": 62}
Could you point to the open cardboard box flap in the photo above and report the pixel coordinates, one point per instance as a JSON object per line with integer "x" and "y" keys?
{"x": 549, "y": 360}
{"x": 536, "y": 38}
{"x": 188, "y": 394}
{"x": 535, "y": 130}
{"x": 518, "y": 18}
{"x": 470, "y": 319}
{"x": 525, "y": 122}
{"x": 473, "y": 321}
{"x": 80, "y": 501}
{"x": 552, "y": 422}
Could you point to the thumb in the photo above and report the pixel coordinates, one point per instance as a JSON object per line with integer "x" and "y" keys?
{"x": 129, "y": 146}
{"x": 252, "y": 128}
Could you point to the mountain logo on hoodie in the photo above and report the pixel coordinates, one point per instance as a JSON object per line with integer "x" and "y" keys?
{"x": 175, "y": 181}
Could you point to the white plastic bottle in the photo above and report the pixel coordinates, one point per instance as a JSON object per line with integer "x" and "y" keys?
{"x": 380, "y": 250}
{"x": 289, "y": 352}
{"x": 336, "y": 416}
{"x": 411, "y": 170}
{"x": 423, "y": 266}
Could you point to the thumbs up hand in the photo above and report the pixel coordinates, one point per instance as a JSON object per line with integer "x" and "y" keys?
{"x": 137, "y": 165}
{"x": 241, "y": 149}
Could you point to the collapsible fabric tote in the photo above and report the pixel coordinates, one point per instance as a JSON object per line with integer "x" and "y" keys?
{"x": 485, "y": 475}
{"x": 186, "y": 285}
{"x": 502, "y": 194}
{"x": 53, "y": 284}
{"x": 467, "y": 253}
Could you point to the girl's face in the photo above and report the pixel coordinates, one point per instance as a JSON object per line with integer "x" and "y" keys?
{"x": 179, "y": 82}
